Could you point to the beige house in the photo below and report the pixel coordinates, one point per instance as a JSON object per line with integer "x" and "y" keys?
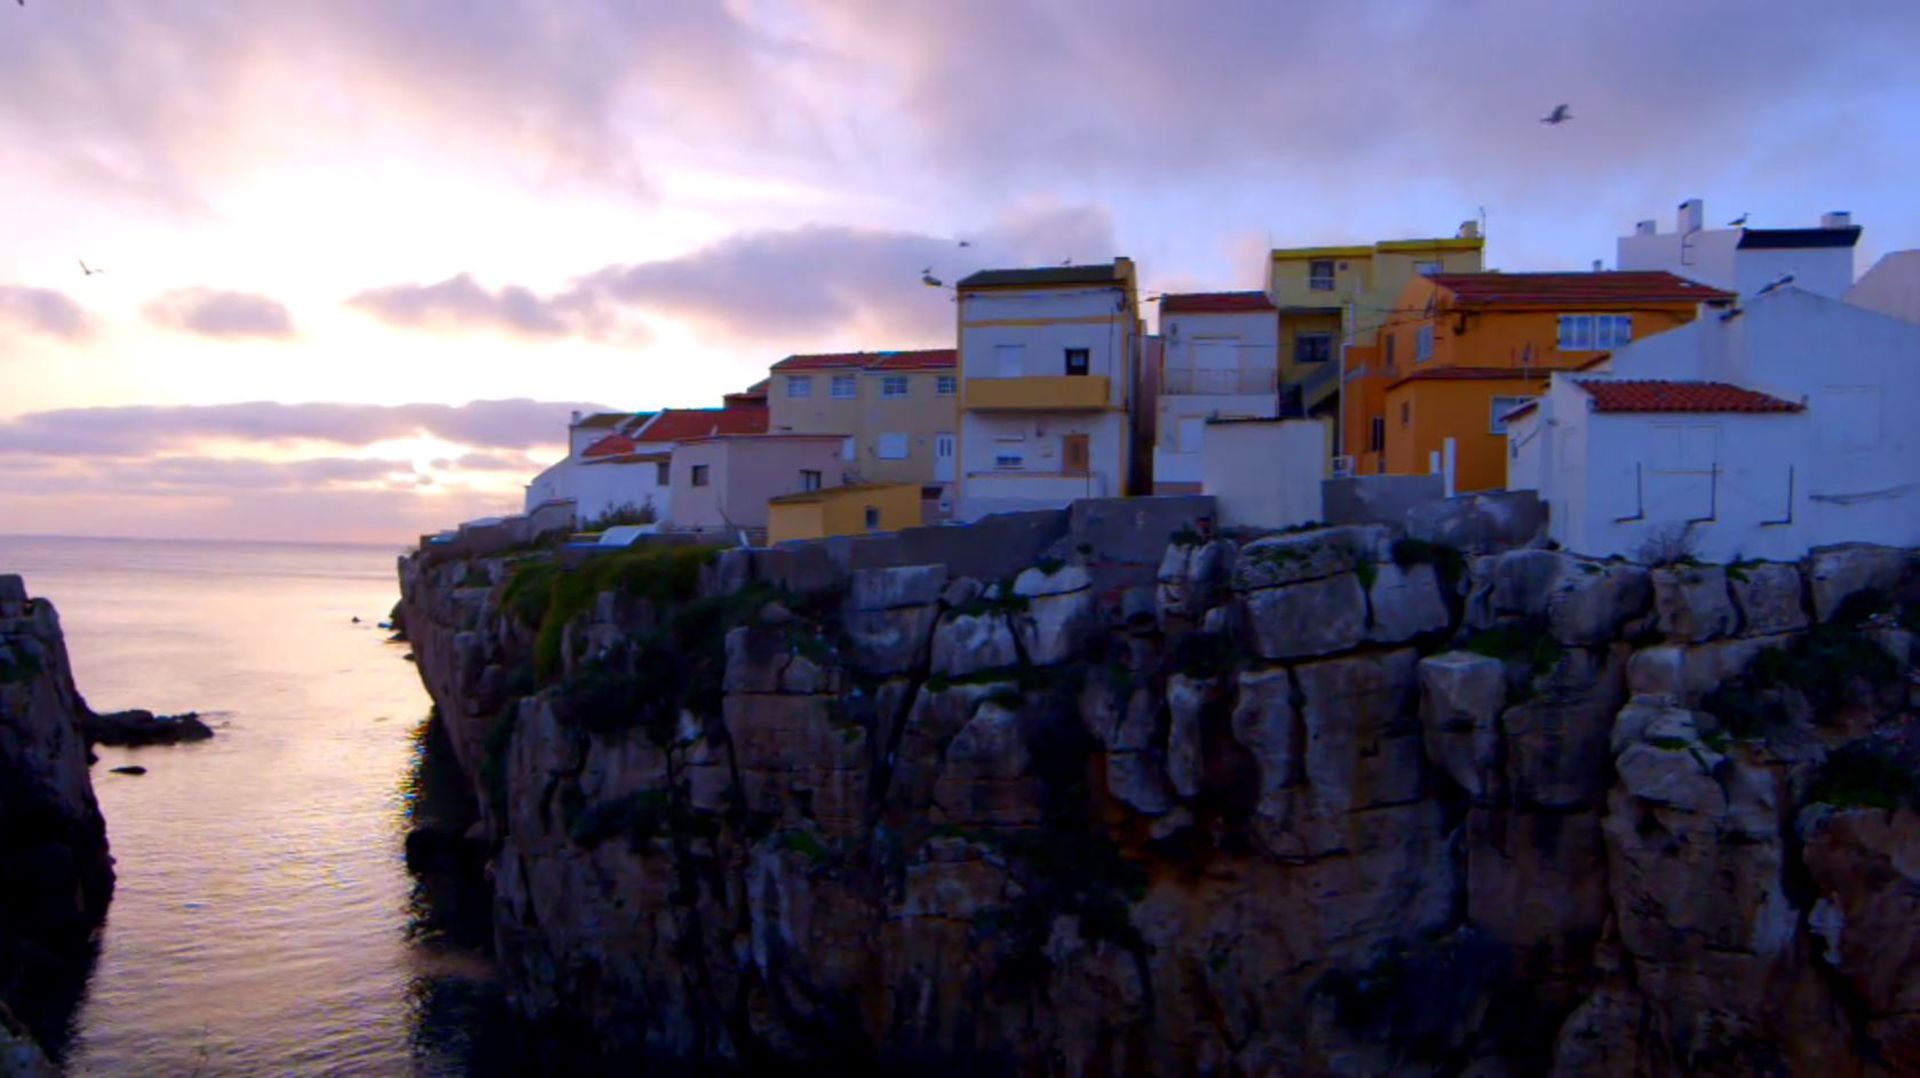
{"x": 721, "y": 484}
{"x": 900, "y": 410}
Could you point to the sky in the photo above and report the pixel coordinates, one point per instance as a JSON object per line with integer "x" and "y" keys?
{"x": 360, "y": 259}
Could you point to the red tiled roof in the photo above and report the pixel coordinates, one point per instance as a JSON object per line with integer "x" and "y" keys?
{"x": 924, "y": 359}
{"x": 1214, "y": 302}
{"x": 921, "y": 359}
{"x": 611, "y": 446}
{"x": 1564, "y": 289}
{"x": 683, "y": 424}
{"x": 1658, "y": 396}
{"x": 1475, "y": 374}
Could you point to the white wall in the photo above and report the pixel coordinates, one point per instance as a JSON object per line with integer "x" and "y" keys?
{"x": 1853, "y": 455}
{"x": 1246, "y": 341}
{"x": 1714, "y": 257}
{"x": 1891, "y": 287}
{"x": 601, "y": 485}
{"x": 1038, "y": 438}
{"x": 1266, "y": 474}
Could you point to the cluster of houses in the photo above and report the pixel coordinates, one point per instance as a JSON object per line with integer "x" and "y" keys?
{"x": 1737, "y": 383}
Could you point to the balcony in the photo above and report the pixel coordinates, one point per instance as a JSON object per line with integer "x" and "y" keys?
{"x": 1221, "y": 381}
{"x": 1050, "y": 393}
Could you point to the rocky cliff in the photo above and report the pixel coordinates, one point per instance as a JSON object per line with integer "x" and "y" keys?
{"x": 1318, "y": 803}
{"x": 53, "y": 843}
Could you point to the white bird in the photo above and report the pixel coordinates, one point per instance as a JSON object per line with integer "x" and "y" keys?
{"x": 1559, "y": 115}
{"x": 1738, "y": 222}
{"x": 1781, "y": 281}
{"x": 85, "y": 270}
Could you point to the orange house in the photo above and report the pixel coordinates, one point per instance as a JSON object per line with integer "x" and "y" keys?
{"x": 1460, "y": 350}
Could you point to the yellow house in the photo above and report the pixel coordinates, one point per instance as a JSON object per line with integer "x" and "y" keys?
{"x": 900, "y": 410}
{"x": 849, "y": 510}
{"x": 1335, "y": 299}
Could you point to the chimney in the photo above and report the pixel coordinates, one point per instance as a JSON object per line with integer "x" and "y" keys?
{"x": 1469, "y": 230}
{"x": 1646, "y": 228}
{"x": 1693, "y": 216}
{"x": 1836, "y": 219}
{"x": 1596, "y": 265}
{"x": 576, "y": 418}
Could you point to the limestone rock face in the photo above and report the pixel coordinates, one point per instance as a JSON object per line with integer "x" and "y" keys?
{"x": 53, "y": 841}
{"x": 1692, "y": 604}
{"x": 1768, "y": 597}
{"x": 1227, "y": 822}
{"x": 1315, "y": 617}
{"x": 1461, "y": 696}
{"x": 1838, "y": 573}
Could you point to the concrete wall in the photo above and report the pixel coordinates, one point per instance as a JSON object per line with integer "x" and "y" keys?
{"x": 743, "y": 473}
{"x": 1377, "y": 499}
{"x": 1268, "y": 474}
{"x": 1891, "y": 287}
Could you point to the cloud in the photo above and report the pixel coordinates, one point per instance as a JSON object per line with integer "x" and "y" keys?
{"x": 461, "y": 303}
{"x": 212, "y": 313}
{"x": 42, "y": 310}
{"x": 797, "y": 287}
{"x": 142, "y": 430}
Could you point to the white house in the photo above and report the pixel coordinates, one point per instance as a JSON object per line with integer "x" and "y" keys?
{"x": 1768, "y": 429}
{"x": 1220, "y": 360}
{"x": 1891, "y": 287}
{"x": 631, "y": 466}
{"x": 560, "y": 481}
{"x": 1049, "y": 376}
{"x": 1746, "y": 260}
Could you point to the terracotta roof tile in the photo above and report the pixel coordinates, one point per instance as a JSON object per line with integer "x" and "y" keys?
{"x": 611, "y": 446}
{"x": 913, "y": 359}
{"x": 1659, "y": 396}
{"x": 1214, "y": 302}
{"x": 684, "y": 424}
{"x": 1565, "y": 289}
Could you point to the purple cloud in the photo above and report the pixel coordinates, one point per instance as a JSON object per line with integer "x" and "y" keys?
{"x": 42, "y": 310}
{"x": 461, "y": 303}
{"x": 142, "y": 430}
{"x": 212, "y": 313}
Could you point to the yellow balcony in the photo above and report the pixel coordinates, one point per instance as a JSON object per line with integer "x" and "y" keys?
{"x": 1052, "y": 393}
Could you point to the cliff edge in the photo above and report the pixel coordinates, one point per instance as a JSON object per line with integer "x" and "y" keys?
{"x": 1333, "y": 802}
{"x": 53, "y": 842}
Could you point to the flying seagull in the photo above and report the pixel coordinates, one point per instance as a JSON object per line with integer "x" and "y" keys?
{"x": 1559, "y": 115}
{"x": 1738, "y": 222}
{"x": 966, "y": 243}
{"x": 927, "y": 278}
{"x": 85, "y": 270}
{"x": 1781, "y": 281}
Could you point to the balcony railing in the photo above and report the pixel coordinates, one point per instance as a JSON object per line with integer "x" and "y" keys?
{"x": 1221, "y": 380}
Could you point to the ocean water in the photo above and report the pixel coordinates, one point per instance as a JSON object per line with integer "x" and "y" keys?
{"x": 264, "y": 920}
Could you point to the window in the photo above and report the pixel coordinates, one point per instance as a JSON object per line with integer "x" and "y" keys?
{"x": 1312, "y": 347}
{"x": 799, "y": 385}
{"x": 1078, "y": 360}
{"x": 1595, "y": 332}
{"x": 1320, "y": 275}
{"x": 1391, "y": 337}
{"x": 699, "y": 475}
{"x": 1377, "y": 436}
{"x": 1423, "y": 345}
{"x": 1427, "y": 268}
{"x": 893, "y": 386}
{"x": 809, "y": 480}
{"x": 1501, "y": 406}
{"x": 1010, "y": 360}
{"x": 844, "y": 387}
{"x": 890, "y": 447}
{"x": 662, "y": 474}
{"x": 1009, "y": 461}
{"x": 1406, "y": 414}
{"x": 873, "y": 518}
{"x": 946, "y": 385}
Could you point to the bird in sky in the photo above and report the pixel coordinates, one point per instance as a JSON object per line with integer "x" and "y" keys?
{"x": 85, "y": 270}
{"x": 1738, "y": 222}
{"x": 966, "y": 243}
{"x": 927, "y": 278}
{"x": 1066, "y": 261}
{"x": 1559, "y": 115}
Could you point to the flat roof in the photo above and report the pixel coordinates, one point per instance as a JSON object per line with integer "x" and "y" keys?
{"x": 1782, "y": 238}
{"x": 1095, "y": 273}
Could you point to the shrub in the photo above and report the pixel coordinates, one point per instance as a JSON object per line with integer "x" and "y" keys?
{"x": 624, "y": 513}
{"x": 1827, "y": 667}
{"x": 1866, "y": 775}
{"x": 545, "y": 597}
{"x": 1669, "y": 544}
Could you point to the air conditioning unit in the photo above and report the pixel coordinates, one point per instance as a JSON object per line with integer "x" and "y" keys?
{"x": 1343, "y": 467}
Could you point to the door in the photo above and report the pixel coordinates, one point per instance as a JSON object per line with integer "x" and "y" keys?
{"x": 943, "y": 455}
{"x": 1075, "y": 457}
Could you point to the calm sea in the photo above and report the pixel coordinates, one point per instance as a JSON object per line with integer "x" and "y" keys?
{"x": 264, "y": 920}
